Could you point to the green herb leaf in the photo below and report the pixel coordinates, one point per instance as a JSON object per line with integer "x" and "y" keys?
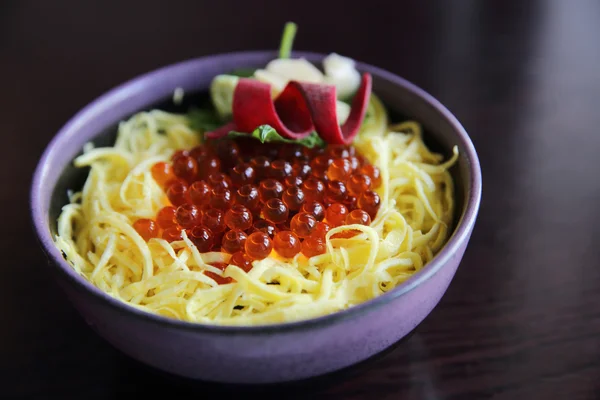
{"x": 243, "y": 72}
{"x": 287, "y": 40}
{"x": 203, "y": 120}
{"x": 267, "y": 134}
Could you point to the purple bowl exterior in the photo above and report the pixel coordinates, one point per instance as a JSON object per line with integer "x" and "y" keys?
{"x": 254, "y": 354}
{"x": 273, "y": 358}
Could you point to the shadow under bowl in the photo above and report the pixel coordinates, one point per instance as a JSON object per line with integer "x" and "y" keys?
{"x": 250, "y": 354}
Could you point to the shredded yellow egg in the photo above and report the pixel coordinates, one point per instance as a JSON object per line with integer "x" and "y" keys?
{"x": 95, "y": 231}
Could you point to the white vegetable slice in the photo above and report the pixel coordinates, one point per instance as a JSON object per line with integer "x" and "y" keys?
{"x": 298, "y": 69}
{"x": 277, "y": 82}
{"x": 343, "y": 110}
{"x": 341, "y": 72}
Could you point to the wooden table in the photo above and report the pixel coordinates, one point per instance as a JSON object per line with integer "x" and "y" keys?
{"x": 521, "y": 319}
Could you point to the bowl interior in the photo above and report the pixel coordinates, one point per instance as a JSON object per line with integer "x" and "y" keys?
{"x": 98, "y": 123}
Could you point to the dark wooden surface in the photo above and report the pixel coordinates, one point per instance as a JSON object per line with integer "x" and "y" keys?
{"x": 521, "y": 319}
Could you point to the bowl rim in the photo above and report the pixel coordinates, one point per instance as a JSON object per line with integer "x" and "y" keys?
{"x": 460, "y": 235}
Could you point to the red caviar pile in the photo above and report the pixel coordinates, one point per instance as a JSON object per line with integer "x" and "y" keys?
{"x": 247, "y": 198}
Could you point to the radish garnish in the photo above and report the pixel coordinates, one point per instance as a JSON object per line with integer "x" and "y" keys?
{"x": 300, "y": 109}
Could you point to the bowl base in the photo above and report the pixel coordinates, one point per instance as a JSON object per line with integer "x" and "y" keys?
{"x": 168, "y": 380}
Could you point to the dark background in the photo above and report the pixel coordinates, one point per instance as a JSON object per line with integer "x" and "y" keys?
{"x": 521, "y": 319}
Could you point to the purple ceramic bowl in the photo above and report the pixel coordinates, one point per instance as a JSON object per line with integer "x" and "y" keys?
{"x": 253, "y": 354}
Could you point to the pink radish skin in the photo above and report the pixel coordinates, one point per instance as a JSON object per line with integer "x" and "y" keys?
{"x": 300, "y": 109}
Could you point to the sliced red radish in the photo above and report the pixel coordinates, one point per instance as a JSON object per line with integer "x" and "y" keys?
{"x": 321, "y": 102}
{"x": 221, "y": 131}
{"x": 253, "y": 106}
{"x": 300, "y": 109}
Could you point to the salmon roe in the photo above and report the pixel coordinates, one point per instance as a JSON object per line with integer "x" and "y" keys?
{"x": 321, "y": 230}
{"x": 315, "y": 208}
{"x": 238, "y": 217}
{"x": 234, "y": 241}
{"x": 247, "y": 198}
{"x": 241, "y": 260}
{"x": 219, "y": 180}
{"x": 172, "y": 234}
{"x": 178, "y": 193}
{"x": 269, "y": 189}
{"x": 207, "y": 166}
{"x": 287, "y": 244}
{"x": 262, "y": 225}
{"x": 200, "y": 193}
{"x": 291, "y": 181}
{"x": 313, "y": 189}
{"x": 162, "y": 173}
{"x": 313, "y": 246}
{"x": 261, "y": 166}
{"x": 242, "y": 174}
{"x": 187, "y": 215}
{"x": 293, "y": 198}
{"x": 258, "y": 245}
{"x": 165, "y": 218}
{"x": 373, "y": 173}
{"x": 199, "y": 153}
{"x": 359, "y": 217}
{"x": 370, "y": 202}
{"x": 214, "y": 220}
{"x": 358, "y": 183}
{"x": 339, "y": 169}
{"x": 301, "y": 170}
{"x": 336, "y": 214}
{"x": 146, "y": 228}
{"x": 303, "y": 224}
{"x": 186, "y": 168}
{"x": 221, "y": 198}
{"x": 275, "y": 211}
{"x": 202, "y": 237}
{"x": 336, "y": 191}
{"x": 179, "y": 153}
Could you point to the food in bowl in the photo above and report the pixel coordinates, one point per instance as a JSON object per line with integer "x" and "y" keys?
{"x": 290, "y": 198}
